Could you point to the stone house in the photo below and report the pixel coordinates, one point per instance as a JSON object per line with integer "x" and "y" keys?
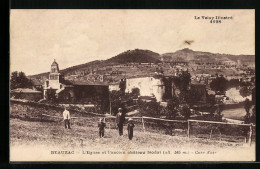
{"x": 149, "y": 86}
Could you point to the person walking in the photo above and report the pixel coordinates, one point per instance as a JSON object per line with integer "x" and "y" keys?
{"x": 101, "y": 127}
{"x": 130, "y": 128}
{"x": 120, "y": 119}
{"x": 66, "y": 117}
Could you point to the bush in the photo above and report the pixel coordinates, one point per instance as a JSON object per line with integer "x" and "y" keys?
{"x": 219, "y": 84}
{"x": 245, "y": 91}
{"x": 186, "y": 112}
{"x": 151, "y": 108}
{"x": 136, "y": 91}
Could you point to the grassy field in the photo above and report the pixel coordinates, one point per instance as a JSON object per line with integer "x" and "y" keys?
{"x": 24, "y": 135}
{"x": 33, "y": 137}
{"x": 237, "y": 114}
{"x": 53, "y": 133}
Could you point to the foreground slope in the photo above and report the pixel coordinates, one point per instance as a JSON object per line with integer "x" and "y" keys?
{"x": 41, "y": 138}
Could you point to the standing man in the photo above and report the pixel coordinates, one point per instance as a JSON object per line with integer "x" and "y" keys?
{"x": 66, "y": 117}
{"x": 120, "y": 119}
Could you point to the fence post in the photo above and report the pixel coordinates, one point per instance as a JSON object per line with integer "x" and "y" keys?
{"x": 81, "y": 143}
{"x": 188, "y": 131}
{"x": 143, "y": 124}
{"x": 210, "y": 134}
{"x": 250, "y": 135}
{"x": 41, "y": 117}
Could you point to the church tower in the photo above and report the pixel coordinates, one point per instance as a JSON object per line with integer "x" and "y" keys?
{"x": 54, "y": 77}
{"x": 54, "y": 67}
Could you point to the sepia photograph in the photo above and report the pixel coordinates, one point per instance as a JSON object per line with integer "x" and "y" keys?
{"x": 125, "y": 85}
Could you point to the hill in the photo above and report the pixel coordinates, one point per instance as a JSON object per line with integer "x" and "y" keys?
{"x": 70, "y": 69}
{"x": 130, "y": 56}
{"x": 136, "y": 56}
{"x": 111, "y": 65}
{"x": 187, "y": 54}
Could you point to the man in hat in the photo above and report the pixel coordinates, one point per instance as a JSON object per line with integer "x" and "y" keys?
{"x": 120, "y": 119}
{"x": 101, "y": 127}
{"x": 130, "y": 128}
{"x": 66, "y": 117}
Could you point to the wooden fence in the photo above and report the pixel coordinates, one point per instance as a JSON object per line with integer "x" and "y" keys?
{"x": 144, "y": 121}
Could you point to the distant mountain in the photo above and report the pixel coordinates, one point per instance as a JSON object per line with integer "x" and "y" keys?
{"x": 146, "y": 56}
{"x": 187, "y": 54}
{"x": 136, "y": 56}
{"x": 129, "y": 56}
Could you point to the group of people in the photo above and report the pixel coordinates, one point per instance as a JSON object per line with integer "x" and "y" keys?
{"x": 120, "y": 120}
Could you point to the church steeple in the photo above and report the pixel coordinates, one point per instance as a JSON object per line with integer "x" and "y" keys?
{"x": 54, "y": 67}
{"x": 54, "y": 74}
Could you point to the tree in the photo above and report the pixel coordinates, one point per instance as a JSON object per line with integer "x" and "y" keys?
{"x": 185, "y": 79}
{"x": 211, "y": 100}
{"x": 247, "y": 106}
{"x": 120, "y": 99}
{"x": 186, "y": 112}
{"x": 193, "y": 96}
{"x": 219, "y": 84}
{"x": 19, "y": 80}
{"x": 51, "y": 96}
{"x": 115, "y": 99}
{"x": 122, "y": 85}
{"x": 182, "y": 82}
{"x": 252, "y": 80}
{"x": 219, "y": 107}
{"x": 152, "y": 108}
{"x": 245, "y": 84}
{"x": 136, "y": 91}
{"x": 245, "y": 91}
{"x": 234, "y": 83}
{"x": 172, "y": 108}
{"x": 252, "y": 115}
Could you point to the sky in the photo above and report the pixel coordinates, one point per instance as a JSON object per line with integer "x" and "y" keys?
{"x": 73, "y": 37}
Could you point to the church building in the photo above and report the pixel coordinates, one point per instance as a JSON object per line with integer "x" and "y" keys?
{"x": 56, "y": 86}
{"x": 74, "y": 92}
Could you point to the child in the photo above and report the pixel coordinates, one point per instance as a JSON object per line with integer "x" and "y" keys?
{"x": 130, "y": 128}
{"x": 101, "y": 127}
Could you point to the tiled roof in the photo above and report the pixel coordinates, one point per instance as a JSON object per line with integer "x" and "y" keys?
{"x": 89, "y": 83}
{"x": 25, "y": 90}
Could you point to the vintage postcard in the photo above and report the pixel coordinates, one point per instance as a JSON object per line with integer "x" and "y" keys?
{"x": 132, "y": 85}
